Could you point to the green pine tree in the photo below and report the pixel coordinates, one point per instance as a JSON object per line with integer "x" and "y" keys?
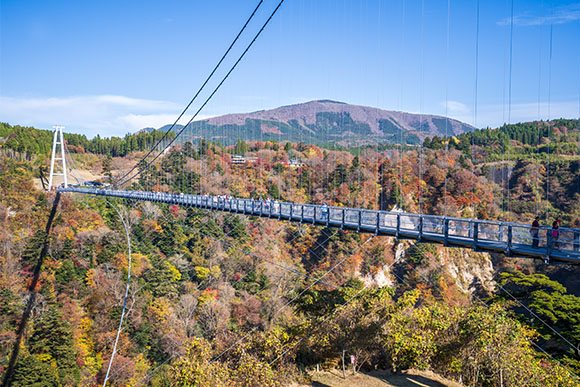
{"x": 53, "y": 336}
{"x": 31, "y": 371}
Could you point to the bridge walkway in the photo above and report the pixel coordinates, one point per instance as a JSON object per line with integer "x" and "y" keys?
{"x": 512, "y": 239}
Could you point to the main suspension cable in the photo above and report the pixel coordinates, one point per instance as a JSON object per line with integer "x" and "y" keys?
{"x": 193, "y": 99}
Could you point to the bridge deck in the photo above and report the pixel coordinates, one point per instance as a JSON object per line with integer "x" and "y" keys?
{"x": 512, "y": 239}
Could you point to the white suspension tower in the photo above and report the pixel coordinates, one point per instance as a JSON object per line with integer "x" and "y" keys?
{"x": 62, "y": 158}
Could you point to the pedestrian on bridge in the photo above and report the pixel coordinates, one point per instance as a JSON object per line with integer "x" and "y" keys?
{"x": 535, "y": 232}
{"x": 555, "y": 233}
{"x": 325, "y": 211}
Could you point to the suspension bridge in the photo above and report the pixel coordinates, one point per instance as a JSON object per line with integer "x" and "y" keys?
{"x": 511, "y": 239}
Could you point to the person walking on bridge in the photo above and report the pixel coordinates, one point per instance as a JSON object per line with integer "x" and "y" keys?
{"x": 535, "y": 232}
{"x": 324, "y": 211}
{"x": 555, "y": 233}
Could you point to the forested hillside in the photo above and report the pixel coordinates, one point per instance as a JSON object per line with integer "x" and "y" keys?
{"x": 31, "y": 141}
{"x": 530, "y": 140}
{"x": 206, "y": 308}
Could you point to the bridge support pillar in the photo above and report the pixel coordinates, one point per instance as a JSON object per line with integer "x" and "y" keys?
{"x": 55, "y": 141}
{"x": 446, "y": 231}
{"x": 420, "y": 228}
{"x": 508, "y": 250}
{"x": 475, "y": 235}
{"x": 398, "y": 225}
{"x": 549, "y": 246}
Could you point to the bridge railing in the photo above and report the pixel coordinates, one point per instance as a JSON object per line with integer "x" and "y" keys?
{"x": 477, "y": 230}
{"x": 469, "y": 232}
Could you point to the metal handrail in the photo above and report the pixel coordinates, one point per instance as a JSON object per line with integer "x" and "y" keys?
{"x": 509, "y": 237}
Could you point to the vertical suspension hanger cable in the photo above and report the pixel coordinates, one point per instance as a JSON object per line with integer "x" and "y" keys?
{"x": 538, "y": 126}
{"x": 549, "y": 114}
{"x": 447, "y": 104}
{"x": 447, "y": 48}
{"x": 475, "y": 94}
{"x": 163, "y": 163}
{"x": 277, "y": 152}
{"x": 378, "y": 165}
{"x": 326, "y": 134}
{"x": 421, "y": 81}
{"x": 342, "y": 115}
{"x": 204, "y": 146}
{"x": 403, "y": 11}
{"x": 191, "y": 158}
{"x": 509, "y": 108}
{"x": 156, "y": 166}
{"x": 502, "y": 129}
{"x": 187, "y": 184}
{"x": 359, "y": 145}
{"x": 159, "y": 166}
{"x": 194, "y": 178}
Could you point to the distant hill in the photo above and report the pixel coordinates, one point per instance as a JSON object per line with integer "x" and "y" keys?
{"x": 325, "y": 122}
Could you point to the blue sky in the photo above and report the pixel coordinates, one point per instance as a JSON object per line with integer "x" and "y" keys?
{"x": 112, "y": 67}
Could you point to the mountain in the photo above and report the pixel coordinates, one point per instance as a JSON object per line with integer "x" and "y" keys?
{"x": 325, "y": 122}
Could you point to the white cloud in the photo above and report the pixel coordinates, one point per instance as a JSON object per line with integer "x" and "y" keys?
{"x": 155, "y": 120}
{"x": 106, "y": 115}
{"x": 561, "y": 15}
{"x": 113, "y": 115}
{"x": 456, "y": 107}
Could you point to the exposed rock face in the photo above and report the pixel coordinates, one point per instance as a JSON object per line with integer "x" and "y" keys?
{"x": 382, "y": 278}
{"x": 471, "y": 271}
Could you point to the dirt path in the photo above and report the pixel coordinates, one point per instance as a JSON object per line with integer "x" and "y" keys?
{"x": 410, "y": 378}
{"x": 82, "y": 174}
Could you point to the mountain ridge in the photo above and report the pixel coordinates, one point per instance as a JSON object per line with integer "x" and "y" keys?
{"x": 325, "y": 122}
